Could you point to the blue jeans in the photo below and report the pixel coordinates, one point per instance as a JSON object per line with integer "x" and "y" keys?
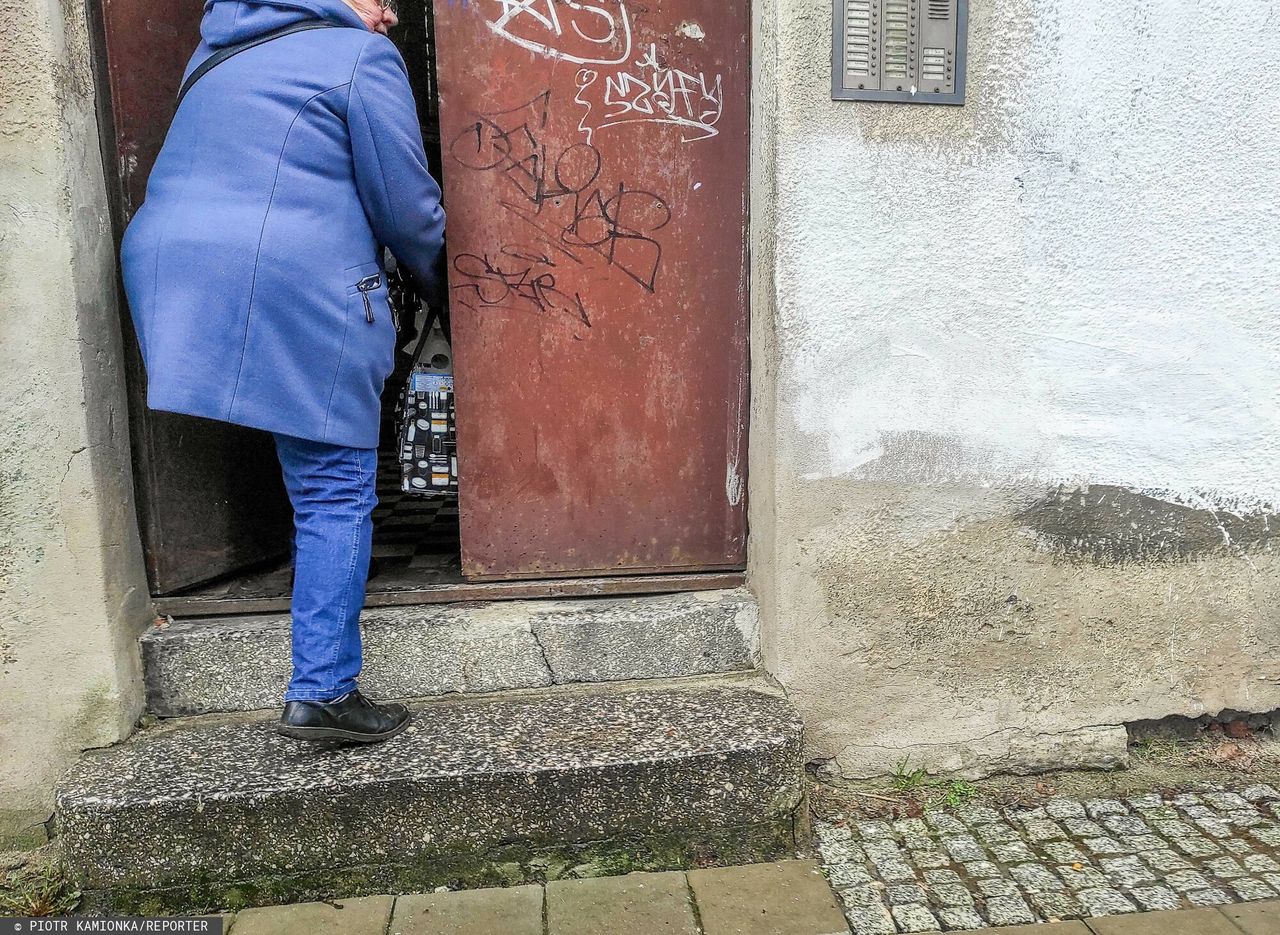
{"x": 333, "y": 492}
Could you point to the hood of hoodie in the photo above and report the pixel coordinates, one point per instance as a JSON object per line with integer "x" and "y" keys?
{"x": 227, "y": 22}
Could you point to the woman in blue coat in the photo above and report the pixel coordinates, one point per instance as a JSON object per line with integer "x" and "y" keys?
{"x": 255, "y": 279}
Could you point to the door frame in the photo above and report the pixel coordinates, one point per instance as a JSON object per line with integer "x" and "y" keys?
{"x": 643, "y": 581}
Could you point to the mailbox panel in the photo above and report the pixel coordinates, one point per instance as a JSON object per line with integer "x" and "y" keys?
{"x": 907, "y": 51}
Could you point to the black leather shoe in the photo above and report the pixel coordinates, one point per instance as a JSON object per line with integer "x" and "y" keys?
{"x": 353, "y": 718}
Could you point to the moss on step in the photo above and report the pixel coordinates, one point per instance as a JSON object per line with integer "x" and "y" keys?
{"x": 505, "y": 866}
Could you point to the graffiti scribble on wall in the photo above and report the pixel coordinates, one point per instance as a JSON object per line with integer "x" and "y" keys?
{"x": 651, "y": 93}
{"x": 583, "y": 33}
{"x": 562, "y": 195}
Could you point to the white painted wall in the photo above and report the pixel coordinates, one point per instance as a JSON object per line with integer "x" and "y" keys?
{"x": 1073, "y": 279}
{"x": 1079, "y": 274}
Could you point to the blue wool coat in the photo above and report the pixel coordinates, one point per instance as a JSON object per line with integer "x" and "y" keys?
{"x": 248, "y": 266}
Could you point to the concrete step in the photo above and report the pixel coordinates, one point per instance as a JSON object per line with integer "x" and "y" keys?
{"x": 198, "y": 666}
{"x": 479, "y": 791}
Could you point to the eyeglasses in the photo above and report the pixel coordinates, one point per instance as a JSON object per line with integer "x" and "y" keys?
{"x": 388, "y": 5}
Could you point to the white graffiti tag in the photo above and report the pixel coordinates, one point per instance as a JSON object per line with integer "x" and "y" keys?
{"x": 583, "y": 33}
{"x": 654, "y": 94}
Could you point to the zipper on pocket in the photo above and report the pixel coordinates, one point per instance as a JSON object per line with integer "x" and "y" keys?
{"x": 367, "y": 285}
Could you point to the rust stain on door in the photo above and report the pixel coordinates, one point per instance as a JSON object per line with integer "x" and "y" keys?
{"x": 595, "y": 173}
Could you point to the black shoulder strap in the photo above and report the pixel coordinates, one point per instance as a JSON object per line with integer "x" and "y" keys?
{"x": 217, "y": 58}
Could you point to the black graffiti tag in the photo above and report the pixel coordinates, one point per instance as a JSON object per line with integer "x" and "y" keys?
{"x": 616, "y": 222}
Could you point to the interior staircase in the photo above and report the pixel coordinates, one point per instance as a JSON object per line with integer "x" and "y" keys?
{"x": 550, "y": 739}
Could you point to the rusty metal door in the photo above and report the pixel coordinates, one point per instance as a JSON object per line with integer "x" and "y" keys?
{"x": 210, "y": 498}
{"x": 595, "y": 171}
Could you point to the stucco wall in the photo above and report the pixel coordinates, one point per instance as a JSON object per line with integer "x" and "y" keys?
{"x": 1016, "y": 438}
{"x": 72, "y": 591}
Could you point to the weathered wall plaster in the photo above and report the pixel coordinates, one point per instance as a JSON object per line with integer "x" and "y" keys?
{"x": 72, "y": 590}
{"x": 1016, "y": 438}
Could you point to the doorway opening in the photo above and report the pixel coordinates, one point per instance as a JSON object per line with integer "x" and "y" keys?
{"x": 598, "y": 277}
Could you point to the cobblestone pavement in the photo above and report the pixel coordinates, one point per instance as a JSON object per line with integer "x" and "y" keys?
{"x": 979, "y": 866}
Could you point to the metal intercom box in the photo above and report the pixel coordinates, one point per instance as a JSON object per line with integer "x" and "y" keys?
{"x": 910, "y": 51}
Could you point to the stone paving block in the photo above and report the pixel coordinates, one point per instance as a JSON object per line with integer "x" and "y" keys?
{"x": 840, "y": 852}
{"x": 1156, "y": 897}
{"x": 1064, "y": 808}
{"x": 1252, "y": 889}
{"x": 1011, "y": 853}
{"x": 1042, "y": 829}
{"x": 875, "y": 829}
{"x": 896, "y": 871}
{"x": 934, "y": 877}
{"x": 1063, "y": 852}
{"x": 1147, "y": 801}
{"x": 1236, "y": 846}
{"x": 927, "y": 860}
{"x": 1175, "y": 828}
{"x": 865, "y": 896}
{"x": 871, "y": 920}
{"x": 1024, "y": 815}
{"x": 907, "y": 826}
{"x": 1165, "y": 860}
{"x": 1056, "y": 906}
{"x": 1260, "y": 792}
{"x": 1243, "y": 819}
{"x": 1143, "y": 842}
{"x": 951, "y": 896}
{"x": 997, "y": 832}
{"x": 918, "y": 842}
{"x": 1185, "y": 922}
{"x": 1160, "y": 813}
{"x": 963, "y": 848}
{"x": 843, "y": 876}
{"x": 1255, "y": 918}
{"x": 1209, "y": 897}
{"x": 1008, "y": 910}
{"x": 516, "y": 910}
{"x": 1267, "y": 834}
{"x": 1225, "y": 868}
{"x": 788, "y": 897}
{"x": 1125, "y": 824}
{"x": 1126, "y": 872}
{"x": 1098, "y": 808}
{"x": 1082, "y": 828}
{"x": 997, "y": 887}
{"x": 1054, "y": 928}
{"x": 961, "y": 919}
{"x": 1197, "y": 847}
{"x": 1083, "y": 878}
{"x": 827, "y": 832}
{"x": 1185, "y": 881}
{"x": 1104, "y": 901}
{"x": 1226, "y": 801}
{"x": 945, "y": 824}
{"x": 1103, "y": 845}
{"x": 901, "y": 894}
{"x": 977, "y": 814}
{"x": 1034, "y": 878}
{"x": 368, "y": 915}
{"x": 1214, "y": 827}
{"x": 635, "y": 904}
{"x": 981, "y": 868}
{"x": 915, "y": 918}
{"x": 882, "y": 849}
